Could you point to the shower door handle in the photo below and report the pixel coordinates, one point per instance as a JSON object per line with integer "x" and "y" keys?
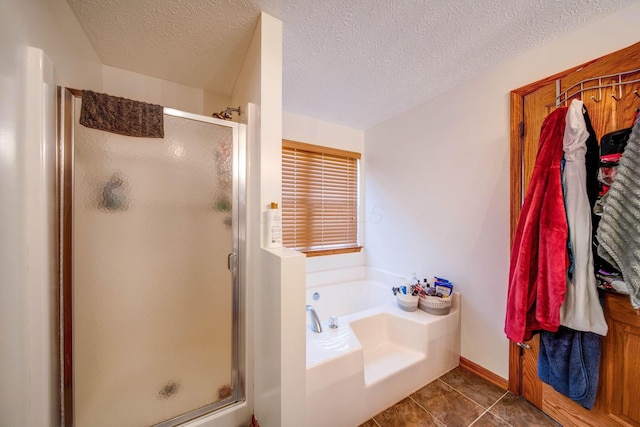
{"x": 232, "y": 262}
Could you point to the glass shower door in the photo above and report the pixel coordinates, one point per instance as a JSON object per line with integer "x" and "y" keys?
{"x": 154, "y": 222}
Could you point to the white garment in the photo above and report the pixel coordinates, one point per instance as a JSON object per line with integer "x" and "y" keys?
{"x": 581, "y": 309}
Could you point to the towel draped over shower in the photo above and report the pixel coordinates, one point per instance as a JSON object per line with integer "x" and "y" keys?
{"x": 122, "y": 116}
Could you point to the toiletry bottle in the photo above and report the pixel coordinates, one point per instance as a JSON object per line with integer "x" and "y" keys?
{"x": 431, "y": 290}
{"x": 414, "y": 279}
{"x": 274, "y": 227}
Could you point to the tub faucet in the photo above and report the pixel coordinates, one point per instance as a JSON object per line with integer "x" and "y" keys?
{"x": 315, "y": 321}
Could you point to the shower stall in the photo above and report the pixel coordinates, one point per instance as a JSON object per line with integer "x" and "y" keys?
{"x": 150, "y": 240}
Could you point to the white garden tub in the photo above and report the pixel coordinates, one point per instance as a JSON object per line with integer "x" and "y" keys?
{"x": 378, "y": 355}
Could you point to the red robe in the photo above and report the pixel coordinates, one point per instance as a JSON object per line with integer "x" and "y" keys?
{"x": 539, "y": 258}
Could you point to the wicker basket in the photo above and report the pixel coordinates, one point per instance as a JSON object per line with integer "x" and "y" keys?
{"x": 407, "y": 302}
{"x": 435, "y": 305}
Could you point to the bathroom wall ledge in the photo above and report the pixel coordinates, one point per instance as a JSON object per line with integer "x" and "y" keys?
{"x": 284, "y": 252}
{"x": 279, "y": 314}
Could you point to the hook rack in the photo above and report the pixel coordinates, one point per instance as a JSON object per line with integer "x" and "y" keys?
{"x": 564, "y": 96}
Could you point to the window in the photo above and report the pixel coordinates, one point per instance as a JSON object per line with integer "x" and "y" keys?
{"x": 319, "y": 199}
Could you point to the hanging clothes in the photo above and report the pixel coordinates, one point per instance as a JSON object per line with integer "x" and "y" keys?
{"x": 611, "y": 148}
{"x": 581, "y": 309}
{"x": 618, "y": 232}
{"x": 569, "y": 361}
{"x": 537, "y": 273}
{"x": 592, "y": 164}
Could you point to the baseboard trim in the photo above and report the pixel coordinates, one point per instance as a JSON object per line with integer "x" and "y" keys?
{"x": 484, "y": 373}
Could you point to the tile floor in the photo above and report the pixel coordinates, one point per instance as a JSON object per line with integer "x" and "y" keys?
{"x": 459, "y": 399}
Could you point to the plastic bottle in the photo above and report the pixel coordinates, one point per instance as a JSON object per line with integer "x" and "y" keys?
{"x": 431, "y": 290}
{"x": 414, "y": 279}
{"x": 274, "y": 227}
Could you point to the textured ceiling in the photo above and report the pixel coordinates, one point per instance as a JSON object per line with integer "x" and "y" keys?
{"x": 352, "y": 62}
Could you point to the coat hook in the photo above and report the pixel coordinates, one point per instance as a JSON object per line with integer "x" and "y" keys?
{"x": 635, "y": 92}
{"x": 616, "y": 98}
{"x": 594, "y": 99}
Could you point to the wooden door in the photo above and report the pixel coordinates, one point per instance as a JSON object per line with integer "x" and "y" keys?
{"x": 610, "y": 109}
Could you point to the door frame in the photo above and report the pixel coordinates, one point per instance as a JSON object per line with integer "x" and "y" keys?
{"x": 516, "y": 191}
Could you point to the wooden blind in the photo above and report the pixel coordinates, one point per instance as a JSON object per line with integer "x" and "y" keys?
{"x": 319, "y": 198}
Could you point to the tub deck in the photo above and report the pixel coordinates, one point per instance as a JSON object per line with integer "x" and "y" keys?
{"x": 375, "y": 358}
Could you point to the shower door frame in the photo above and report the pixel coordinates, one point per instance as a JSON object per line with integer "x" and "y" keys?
{"x": 64, "y": 197}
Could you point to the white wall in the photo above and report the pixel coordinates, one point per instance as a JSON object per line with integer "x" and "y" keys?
{"x": 275, "y": 276}
{"x": 28, "y": 361}
{"x": 247, "y": 93}
{"x": 438, "y": 183}
{"x": 127, "y": 84}
{"x": 27, "y": 144}
{"x": 12, "y": 301}
{"x": 51, "y": 26}
{"x": 300, "y": 128}
{"x": 214, "y": 103}
{"x": 313, "y": 131}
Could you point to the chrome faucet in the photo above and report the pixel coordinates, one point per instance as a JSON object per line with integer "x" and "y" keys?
{"x": 315, "y": 321}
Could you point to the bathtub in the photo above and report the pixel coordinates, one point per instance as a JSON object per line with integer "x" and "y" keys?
{"x": 378, "y": 355}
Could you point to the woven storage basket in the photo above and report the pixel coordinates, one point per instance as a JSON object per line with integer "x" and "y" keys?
{"x": 407, "y": 302}
{"x": 435, "y": 305}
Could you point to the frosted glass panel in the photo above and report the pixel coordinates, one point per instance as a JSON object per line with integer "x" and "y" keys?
{"x": 152, "y": 295}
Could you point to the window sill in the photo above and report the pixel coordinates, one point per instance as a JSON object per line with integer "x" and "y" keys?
{"x": 323, "y": 252}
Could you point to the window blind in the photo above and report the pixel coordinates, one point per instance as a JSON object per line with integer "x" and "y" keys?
{"x": 319, "y": 197}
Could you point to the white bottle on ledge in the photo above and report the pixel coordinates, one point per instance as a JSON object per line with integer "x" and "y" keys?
{"x": 274, "y": 227}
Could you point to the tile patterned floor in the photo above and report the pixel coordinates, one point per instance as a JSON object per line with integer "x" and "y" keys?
{"x": 460, "y": 399}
